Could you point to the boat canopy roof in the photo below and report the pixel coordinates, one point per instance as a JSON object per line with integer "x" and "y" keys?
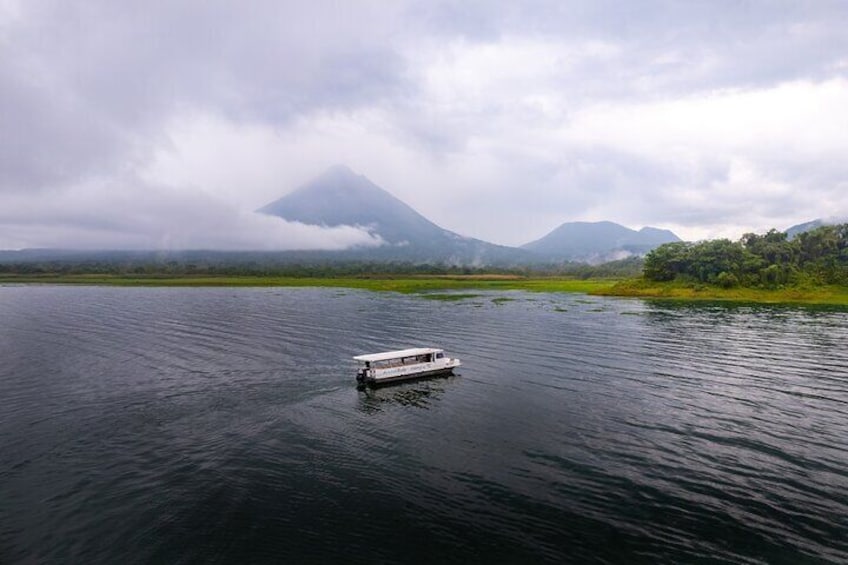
{"x": 386, "y": 355}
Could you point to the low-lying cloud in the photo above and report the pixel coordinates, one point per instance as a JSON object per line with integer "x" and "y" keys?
{"x": 143, "y": 216}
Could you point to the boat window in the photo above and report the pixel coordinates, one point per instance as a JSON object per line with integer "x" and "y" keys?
{"x": 439, "y": 355}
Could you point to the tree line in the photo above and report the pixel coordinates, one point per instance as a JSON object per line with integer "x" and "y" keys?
{"x": 249, "y": 264}
{"x": 770, "y": 260}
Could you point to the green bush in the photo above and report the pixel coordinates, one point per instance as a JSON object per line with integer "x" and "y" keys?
{"x": 727, "y": 280}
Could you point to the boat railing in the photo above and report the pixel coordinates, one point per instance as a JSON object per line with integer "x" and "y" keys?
{"x": 401, "y": 361}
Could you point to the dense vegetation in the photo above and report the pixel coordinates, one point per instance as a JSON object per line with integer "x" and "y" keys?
{"x": 771, "y": 260}
{"x": 250, "y": 264}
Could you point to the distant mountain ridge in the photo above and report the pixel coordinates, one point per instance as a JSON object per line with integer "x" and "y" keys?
{"x": 341, "y": 197}
{"x": 793, "y": 231}
{"x": 598, "y": 241}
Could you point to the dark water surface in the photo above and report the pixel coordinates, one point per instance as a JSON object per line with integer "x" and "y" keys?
{"x": 223, "y": 426}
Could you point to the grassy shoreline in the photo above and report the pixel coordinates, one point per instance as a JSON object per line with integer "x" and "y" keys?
{"x": 641, "y": 288}
{"x": 410, "y": 284}
{"x": 403, "y": 283}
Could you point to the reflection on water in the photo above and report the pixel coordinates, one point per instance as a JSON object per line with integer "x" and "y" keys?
{"x": 418, "y": 393}
{"x": 224, "y": 425}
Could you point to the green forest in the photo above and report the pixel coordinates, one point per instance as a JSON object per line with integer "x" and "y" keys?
{"x": 771, "y": 260}
{"x": 235, "y": 264}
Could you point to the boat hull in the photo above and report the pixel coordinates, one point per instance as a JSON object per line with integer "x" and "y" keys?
{"x": 414, "y": 376}
{"x": 376, "y": 378}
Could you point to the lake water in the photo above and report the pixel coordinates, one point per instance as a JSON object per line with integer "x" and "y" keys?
{"x": 223, "y": 426}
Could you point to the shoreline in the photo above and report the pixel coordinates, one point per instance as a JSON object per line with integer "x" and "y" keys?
{"x": 408, "y": 284}
{"x": 422, "y": 284}
{"x": 824, "y": 295}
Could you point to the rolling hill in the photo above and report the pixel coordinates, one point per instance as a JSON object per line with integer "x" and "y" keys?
{"x": 597, "y": 242}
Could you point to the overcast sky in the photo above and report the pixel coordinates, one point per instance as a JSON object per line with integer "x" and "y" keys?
{"x": 165, "y": 124}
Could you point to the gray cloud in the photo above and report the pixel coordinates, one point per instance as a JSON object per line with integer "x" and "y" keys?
{"x": 88, "y": 88}
{"x": 498, "y": 120}
{"x": 746, "y": 43}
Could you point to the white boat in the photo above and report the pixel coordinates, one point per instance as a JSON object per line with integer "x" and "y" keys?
{"x": 388, "y": 366}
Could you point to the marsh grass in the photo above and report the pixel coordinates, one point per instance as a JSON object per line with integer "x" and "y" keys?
{"x": 383, "y": 283}
{"x": 640, "y": 288}
{"x": 437, "y": 286}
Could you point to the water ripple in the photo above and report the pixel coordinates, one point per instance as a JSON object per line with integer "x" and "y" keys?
{"x": 222, "y": 425}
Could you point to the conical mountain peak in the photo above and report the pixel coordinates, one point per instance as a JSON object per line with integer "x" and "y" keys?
{"x": 342, "y": 169}
{"x": 339, "y": 196}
